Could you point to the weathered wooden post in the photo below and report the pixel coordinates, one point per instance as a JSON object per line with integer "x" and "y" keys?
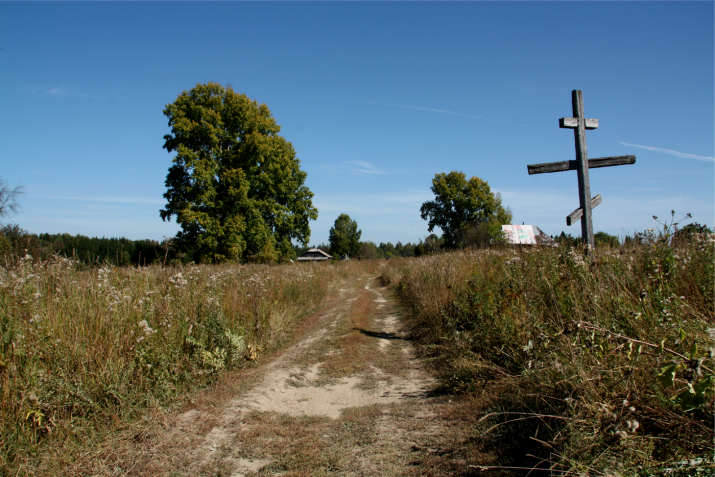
{"x": 579, "y": 123}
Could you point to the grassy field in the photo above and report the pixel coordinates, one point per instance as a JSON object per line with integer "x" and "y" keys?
{"x": 595, "y": 364}
{"x": 85, "y": 350}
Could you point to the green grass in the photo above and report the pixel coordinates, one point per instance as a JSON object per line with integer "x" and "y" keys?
{"x": 595, "y": 364}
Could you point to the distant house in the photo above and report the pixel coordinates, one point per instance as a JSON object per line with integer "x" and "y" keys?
{"x": 526, "y": 235}
{"x": 314, "y": 255}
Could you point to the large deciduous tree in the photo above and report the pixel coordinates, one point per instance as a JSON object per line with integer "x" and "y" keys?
{"x": 344, "y": 237}
{"x": 463, "y": 205}
{"x": 235, "y": 186}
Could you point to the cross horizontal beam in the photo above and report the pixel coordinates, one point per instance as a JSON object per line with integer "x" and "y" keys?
{"x": 573, "y": 165}
{"x": 578, "y": 213}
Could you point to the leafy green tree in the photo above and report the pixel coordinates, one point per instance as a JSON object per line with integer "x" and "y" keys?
{"x": 387, "y": 250}
{"x": 567, "y": 239}
{"x": 461, "y": 203}
{"x": 368, "y": 250}
{"x": 235, "y": 186}
{"x": 431, "y": 245}
{"x": 344, "y": 237}
{"x": 689, "y": 231}
{"x": 603, "y": 238}
{"x": 408, "y": 250}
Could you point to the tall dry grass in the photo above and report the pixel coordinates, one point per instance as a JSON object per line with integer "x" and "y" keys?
{"x": 595, "y": 364}
{"x": 82, "y": 350}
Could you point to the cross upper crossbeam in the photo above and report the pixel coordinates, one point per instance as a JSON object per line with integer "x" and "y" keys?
{"x": 579, "y": 123}
{"x": 572, "y": 123}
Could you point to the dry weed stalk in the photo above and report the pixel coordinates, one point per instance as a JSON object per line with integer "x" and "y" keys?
{"x": 607, "y": 356}
{"x": 82, "y": 350}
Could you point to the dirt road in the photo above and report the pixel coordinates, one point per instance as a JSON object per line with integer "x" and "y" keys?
{"x": 348, "y": 398}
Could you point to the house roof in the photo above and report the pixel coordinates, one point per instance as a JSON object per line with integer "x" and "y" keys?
{"x": 314, "y": 254}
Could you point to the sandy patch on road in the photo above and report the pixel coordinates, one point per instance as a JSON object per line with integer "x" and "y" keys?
{"x": 277, "y": 394}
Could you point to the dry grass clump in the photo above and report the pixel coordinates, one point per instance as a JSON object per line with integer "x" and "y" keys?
{"x": 82, "y": 350}
{"x": 595, "y": 364}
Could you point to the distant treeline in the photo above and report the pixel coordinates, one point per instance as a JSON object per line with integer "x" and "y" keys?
{"x": 17, "y": 242}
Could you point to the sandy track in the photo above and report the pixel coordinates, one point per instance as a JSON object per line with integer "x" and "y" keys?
{"x": 349, "y": 398}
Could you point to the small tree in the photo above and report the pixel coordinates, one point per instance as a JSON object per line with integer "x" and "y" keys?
{"x": 605, "y": 239}
{"x": 480, "y": 234}
{"x": 368, "y": 249}
{"x": 687, "y": 232}
{"x": 387, "y": 250}
{"x": 431, "y": 245}
{"x": 408, "y": 250}
{"x": 464, "y": 204}
{"x": 567, "y": 239}
{"x": 344, "y": 237}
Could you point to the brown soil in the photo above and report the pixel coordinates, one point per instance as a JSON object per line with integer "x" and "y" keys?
{"x": 349, "y": 397}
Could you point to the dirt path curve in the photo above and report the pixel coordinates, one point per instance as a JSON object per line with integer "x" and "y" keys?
{"x": 348, "y": 399}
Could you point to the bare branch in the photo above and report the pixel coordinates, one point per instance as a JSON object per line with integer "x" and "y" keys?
{"x": 9, "y": 198}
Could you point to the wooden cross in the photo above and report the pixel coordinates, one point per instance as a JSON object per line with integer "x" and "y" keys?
{"x": 579, "y": 123}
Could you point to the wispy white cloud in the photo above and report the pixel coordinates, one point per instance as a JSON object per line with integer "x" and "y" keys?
{"x": 62, "y": 91}
{"x": 444, "y": 111}
{"x": 362, "y": 167}
{"x": 124, "y": 200}
{"x": 639, "y": 189}
{"x": 420, "y": 108}
{"x": 671, "y": 152}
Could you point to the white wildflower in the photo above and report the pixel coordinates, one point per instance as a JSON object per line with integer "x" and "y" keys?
{"x": 632, "y": 426}
{"x": 145, "y": 326}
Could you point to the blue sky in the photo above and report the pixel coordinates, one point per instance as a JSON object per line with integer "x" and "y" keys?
{"x": 376, "y": 98}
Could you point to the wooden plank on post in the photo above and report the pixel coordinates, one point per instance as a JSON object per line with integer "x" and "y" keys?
{"x": 576, "y": 214}
{"x": 573, "y": 165}
{"x": 569, "y": 123}
{"x": 551, "y": 167}
{"x": 572, "y": 123}
{"x": 611, "y": 161}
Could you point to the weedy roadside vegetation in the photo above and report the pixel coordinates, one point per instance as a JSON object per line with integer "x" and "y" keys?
{"x": 85, "y": 349}
{"x": 583, "y": 364}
